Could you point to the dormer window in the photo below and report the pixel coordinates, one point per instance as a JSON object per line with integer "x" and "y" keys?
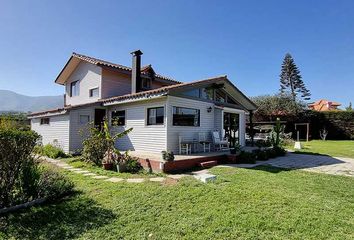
{"x": 94, "y": 92}
{"x": 74, "y": 89}
{"x": 146, "y": 83}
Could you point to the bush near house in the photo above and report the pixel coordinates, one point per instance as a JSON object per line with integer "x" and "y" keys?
{"x": 99, "y": 149}
{"x": 22, "y": 177}
{"x": 50, "y": 150}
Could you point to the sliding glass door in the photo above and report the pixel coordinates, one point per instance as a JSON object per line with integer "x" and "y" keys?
{"x": 231, "y": 127}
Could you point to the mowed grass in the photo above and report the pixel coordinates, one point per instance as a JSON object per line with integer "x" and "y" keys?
{"x": 261, "y": 203}
{"x": 329, "y": 147}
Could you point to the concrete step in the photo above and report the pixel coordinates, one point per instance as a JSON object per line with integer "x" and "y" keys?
{"x": 205, "y": 177}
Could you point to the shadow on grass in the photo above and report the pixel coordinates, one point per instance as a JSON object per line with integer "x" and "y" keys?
{"x": 270, "y": 169}
{"x": 310, "y": 153}
{"x": 66, "y": 219}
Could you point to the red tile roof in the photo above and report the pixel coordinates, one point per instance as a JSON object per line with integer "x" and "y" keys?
{"x": 97, "y": 61}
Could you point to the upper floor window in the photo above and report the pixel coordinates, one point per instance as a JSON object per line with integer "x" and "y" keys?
{"x": 192, "y": 93}
{"x": 118, "y": 118}
{"x": 94, "y": 92}
{"x": 84, "y": 119}
{"x": 146, "y": 83}
{"x": 220, "y": 96}
{"x": 155, "y": 116}
{"x": 74, "y": 89}
{"x": 207, "y": 93}
{"x": 44, "y": 121}
{"x": 186, "y": 117}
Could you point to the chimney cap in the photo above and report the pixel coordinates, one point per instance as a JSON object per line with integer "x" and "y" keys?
{"x": 137, "y": 52}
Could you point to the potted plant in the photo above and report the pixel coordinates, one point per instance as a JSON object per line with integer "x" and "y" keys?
{"x": 168, "y": 156}
{"x": 120, "y": 162}
{"x": 107, "y": 165}
{"x": 108, "y": 160}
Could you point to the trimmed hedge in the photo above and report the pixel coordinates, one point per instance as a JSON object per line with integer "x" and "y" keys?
{"x": 22, "y": 178}
{"x": 339, "y": 124}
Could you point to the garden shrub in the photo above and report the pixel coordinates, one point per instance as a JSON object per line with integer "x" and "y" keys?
{"x": 101, "y": 143}
{"x": 22, "y": 177}
{"x": 52, "y": 151}
{"x": 15, "y": 154}
{"x": 52, "y": 184}
{"x": 94, "y": 147}
{"x": 132, "y": 164}
{"x": 261, "y": 155}
{"x": 246, "y": 157}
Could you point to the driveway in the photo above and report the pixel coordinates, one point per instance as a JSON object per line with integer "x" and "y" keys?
{"x": 311, "y": 163}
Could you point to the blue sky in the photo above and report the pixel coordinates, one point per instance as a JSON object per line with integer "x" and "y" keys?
{"x": 187, "y": 40}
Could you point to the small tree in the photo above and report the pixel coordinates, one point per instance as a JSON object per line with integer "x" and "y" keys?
{"x": 272, "y": 106}
{"x": 291, "y": 80}
{"x": 349, "y": 108}
{"x": 275, "y": 138}
{"x": 101, "y": 143}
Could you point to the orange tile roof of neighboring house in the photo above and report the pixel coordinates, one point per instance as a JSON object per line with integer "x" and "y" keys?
{"x": 97, "y": 61}
{"x": 323, "y": 105}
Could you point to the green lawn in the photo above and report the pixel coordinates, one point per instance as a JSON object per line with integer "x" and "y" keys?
{"x": 262, "y": 203}
{"x": 329, "y": 147}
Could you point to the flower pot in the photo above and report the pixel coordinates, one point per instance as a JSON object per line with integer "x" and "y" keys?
{"x": 107, "y": 166}
{"x": 121, "y": 167}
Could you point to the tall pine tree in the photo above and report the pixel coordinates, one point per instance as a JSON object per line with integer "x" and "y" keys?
{"x": 291, "y": 81}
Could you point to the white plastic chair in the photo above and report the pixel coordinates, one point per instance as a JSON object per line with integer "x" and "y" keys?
{"x": 183, "y": 146}
{"x": 204, "y": 142}
{"x": 219, "y": 144}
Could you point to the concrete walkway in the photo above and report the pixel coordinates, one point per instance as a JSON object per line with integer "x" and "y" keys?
{"x": 312, "y": 163}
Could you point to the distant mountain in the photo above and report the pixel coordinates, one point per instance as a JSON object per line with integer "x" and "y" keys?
{"x": 11, "y": 101}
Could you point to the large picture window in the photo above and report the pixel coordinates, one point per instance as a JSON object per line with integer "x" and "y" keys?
{"x": 155, "y": 116}
{"x": 186, "y": 117}
{"x": 118, "y": 118}
{"x": 74, "y": 89}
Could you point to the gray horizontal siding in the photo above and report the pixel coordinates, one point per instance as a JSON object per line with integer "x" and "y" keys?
{"x": 189, "y": 133}
{"x": 142, "y": 137}
{"x": 56, "y": 131}
{"x": 78, "y": 131}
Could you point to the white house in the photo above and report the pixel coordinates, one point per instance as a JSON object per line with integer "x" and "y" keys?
{"x": 158, "y": 108}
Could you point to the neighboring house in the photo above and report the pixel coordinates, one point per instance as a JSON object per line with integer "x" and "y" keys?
{"x": 324, "y": 105}
{"x": 158, "y": 108}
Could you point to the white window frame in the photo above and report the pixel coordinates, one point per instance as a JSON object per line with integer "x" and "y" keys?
{"x": 125, "y": 117}
{"x": 91, "y": 91}
{"x": 77, "y": 86}
{"x": 40, "y": 121}
{"x": 146, "y": 116}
